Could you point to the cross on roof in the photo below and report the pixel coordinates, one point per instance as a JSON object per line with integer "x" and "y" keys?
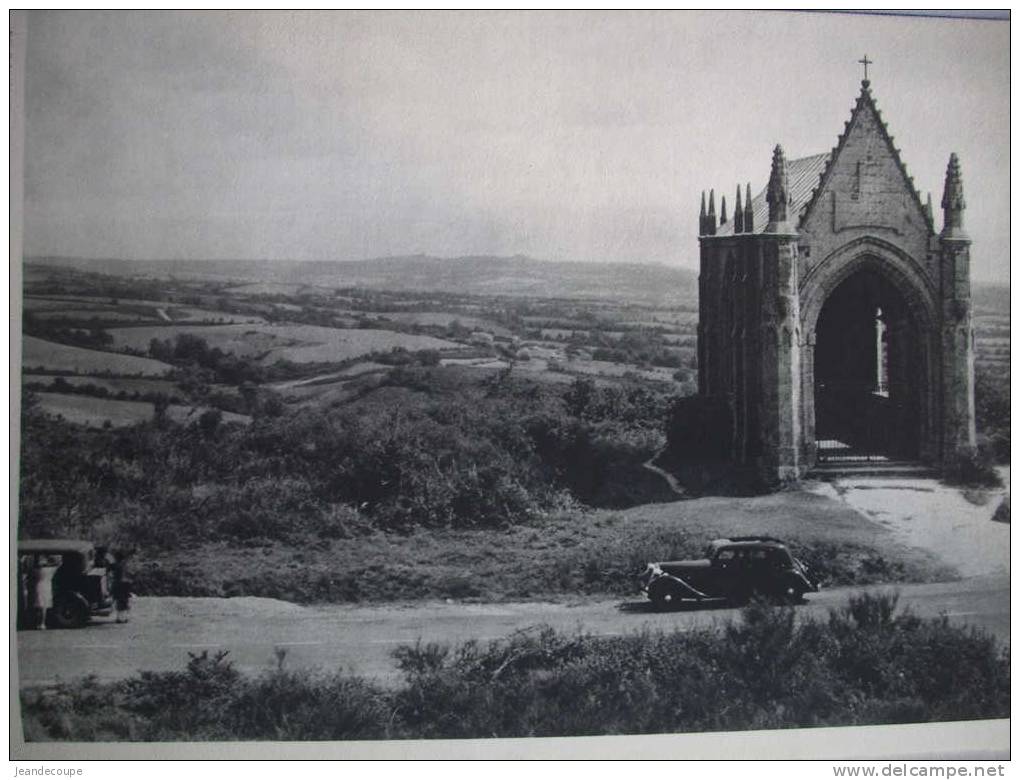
{"x": 866, "y": 62}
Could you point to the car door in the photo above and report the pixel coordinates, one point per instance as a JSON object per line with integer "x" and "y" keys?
{"x": 727, "y": 571}
{"x": 761, "y": 571}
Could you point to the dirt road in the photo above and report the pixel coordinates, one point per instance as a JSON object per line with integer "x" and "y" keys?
{"x": 360, "y": 639}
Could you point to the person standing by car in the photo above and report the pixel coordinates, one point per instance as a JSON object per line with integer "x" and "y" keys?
{"x": 24, "y": 588}
{"x": 121, "y": 586}
{"x": 40, "y": 586}
{"x": 102, "y": 559}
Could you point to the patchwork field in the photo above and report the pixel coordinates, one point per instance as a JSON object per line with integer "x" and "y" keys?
{"x": 303, "y": 320}
{"x": 296, "y": 343}
{"x": 49, "y": 356}
{"x": 95, "y": 412}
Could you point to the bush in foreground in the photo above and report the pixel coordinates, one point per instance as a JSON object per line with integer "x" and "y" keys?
{"x": 865, "y": 664}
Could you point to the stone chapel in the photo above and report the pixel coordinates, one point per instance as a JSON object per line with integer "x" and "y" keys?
{"x": 835, "y": 317}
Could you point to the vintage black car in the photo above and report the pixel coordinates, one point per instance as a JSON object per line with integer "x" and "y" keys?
{"x": 733, "y": 570}
{"x": 79, "y": 582}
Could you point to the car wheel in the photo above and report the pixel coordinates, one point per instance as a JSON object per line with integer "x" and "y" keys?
{"x": 665, "y": 595}
{"x": 71, "y": 612}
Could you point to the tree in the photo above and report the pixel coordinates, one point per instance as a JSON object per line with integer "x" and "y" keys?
{"x": 209, "y": 421}
{"x": 250, "y": 394}
{"x": 159, "y": 408}
{"x": 579, "y": 395}
{"x": 428, "y": 357}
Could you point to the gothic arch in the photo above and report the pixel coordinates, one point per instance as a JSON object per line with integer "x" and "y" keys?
{"x": 899, "y": 268}
{"x": 908, "y": 278}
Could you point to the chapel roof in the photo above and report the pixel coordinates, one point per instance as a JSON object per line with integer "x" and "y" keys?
{"x": 806, "y": 176}
{"x": 802, "y": 176}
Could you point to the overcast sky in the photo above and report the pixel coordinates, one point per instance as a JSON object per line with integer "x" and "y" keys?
{"x": 564, "y": 136}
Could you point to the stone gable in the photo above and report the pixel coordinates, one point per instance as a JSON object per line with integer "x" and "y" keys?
{"x": 864, "y": 192}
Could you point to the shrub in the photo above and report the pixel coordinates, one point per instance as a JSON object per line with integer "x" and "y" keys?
{"x": 972, "y": 468}
{"x": 697, "y": 429}
{"x": 992, "y": 409}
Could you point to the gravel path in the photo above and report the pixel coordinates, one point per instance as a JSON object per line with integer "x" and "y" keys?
{"x": 949, "y": 522}
{"x": 361, "y": 639}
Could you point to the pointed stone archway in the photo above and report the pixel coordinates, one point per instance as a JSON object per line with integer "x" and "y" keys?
{"x": 862, "y": 397}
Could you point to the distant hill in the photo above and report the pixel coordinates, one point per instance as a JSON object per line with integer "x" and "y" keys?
{"x": 476, "y": 275}
{"x": 656, "y": 285}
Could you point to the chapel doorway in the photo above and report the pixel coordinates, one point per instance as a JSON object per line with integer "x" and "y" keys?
{"x": 868, "y": 373}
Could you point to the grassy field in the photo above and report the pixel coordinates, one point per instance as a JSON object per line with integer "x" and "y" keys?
{"x": 548, "y": 363}
{"x": 83, "y": 307}
{"x": 108, "y": 315}
{"x": 85, "y": 410}
{"x": 276, "y": 288}
{"x": 189, "y": 314}
{"x": 296, "y": 343}
{"x": 321, "y": 345}
{"x": 95, "y": 412}
{"x": 569, "y": 555}
{"x": 47, "y": 355}
{"x": 444, "y": 320}
{"x": 69, "y": 301}
{"x": 30, "y": 303}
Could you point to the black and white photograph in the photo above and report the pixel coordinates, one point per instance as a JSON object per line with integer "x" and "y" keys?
{"x": 414, "y": 378}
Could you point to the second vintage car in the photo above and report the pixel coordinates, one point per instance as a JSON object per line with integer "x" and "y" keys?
{"x": 77, "y": 584}
{"x": 733, "y": 570}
